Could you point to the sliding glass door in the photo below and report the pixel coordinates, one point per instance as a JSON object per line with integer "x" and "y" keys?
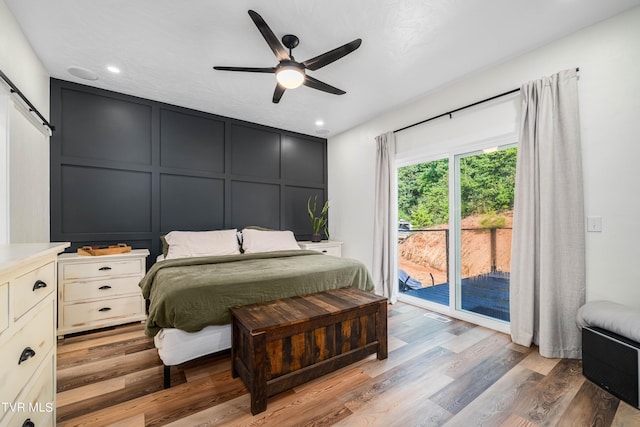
{"x": 485, "y": 184}
{"x": 454, "y": 232}
{"x": 423, "y": 231}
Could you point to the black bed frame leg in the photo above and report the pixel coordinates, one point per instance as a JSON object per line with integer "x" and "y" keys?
{"x": 167, "y": 376}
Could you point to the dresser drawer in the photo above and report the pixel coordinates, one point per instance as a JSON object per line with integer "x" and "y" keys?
{"x": 108, "y": 287}
{"x": 106, "y": 268}
{"x": 89, "y": 313}
{"x": 4, "y": 306}
{"x": 32, "y": 287}
{"x": 31, "y": 343}
{"x": 37, "y": 404}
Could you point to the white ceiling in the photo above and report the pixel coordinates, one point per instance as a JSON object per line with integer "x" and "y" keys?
{"x": 166, "y": 49}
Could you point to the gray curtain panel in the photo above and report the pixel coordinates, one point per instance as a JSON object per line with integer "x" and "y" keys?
{"x": 548, "y": 249}
{"x": 383, "y": 243}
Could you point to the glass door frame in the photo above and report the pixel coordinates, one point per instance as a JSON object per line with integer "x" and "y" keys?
{"x": 452, "y": 154}
{"x": 455, "y": 207}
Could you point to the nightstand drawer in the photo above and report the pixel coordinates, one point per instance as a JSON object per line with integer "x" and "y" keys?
{"x": 329, "y": 250}
{"x": 327, "y": 247}
{"x": 4, "y": 306}
{"x": 24, "y": 352}
{"x": 106, "y": 268}
{"x": 28, "y": 289}
{"x": 108, "y": 287}
{"x": 92, "y": 313}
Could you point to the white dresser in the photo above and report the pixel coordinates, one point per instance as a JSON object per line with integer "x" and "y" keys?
{"x": 328, "y": 247}
{"x": 27, "y": 333}
{"x": 99, "y": 291}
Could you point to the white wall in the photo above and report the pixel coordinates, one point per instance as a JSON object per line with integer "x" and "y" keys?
{"x": 24, "y": 147}
{"x": 608, "y": 55}
{"x": 4, "y": 167}
{"x": 21, "y": 64}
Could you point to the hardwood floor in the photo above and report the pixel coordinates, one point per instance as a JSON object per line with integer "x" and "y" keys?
{"x": 453, "y": 374}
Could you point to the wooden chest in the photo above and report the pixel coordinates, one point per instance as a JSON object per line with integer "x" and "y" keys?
{"x": 279, "y": 344}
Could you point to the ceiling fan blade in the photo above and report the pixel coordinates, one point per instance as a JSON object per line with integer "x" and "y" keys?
{"x": 331, "y": 56}
{"x": 248, "y": 69}
{"x": 317, "y": 84}
{"x": 277, "y": 94}
{"x": 272, "y": 40}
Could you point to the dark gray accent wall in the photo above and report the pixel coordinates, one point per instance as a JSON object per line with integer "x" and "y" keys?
{"x": 128, "y": 170}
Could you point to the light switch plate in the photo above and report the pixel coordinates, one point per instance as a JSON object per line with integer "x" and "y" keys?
{"x": 594, "y": 223}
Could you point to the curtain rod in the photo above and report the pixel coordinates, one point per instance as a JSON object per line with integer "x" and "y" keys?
{"x": 14, "y": 89}
{"x": 449, "y": 113}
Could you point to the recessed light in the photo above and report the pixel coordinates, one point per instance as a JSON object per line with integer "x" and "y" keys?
{"x": 319, "y": 122}
{"x": 82, "y": 73}
{"x": 114, "y": 70}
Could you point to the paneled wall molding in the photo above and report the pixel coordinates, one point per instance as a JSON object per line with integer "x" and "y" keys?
{"x": 126, "y": 169}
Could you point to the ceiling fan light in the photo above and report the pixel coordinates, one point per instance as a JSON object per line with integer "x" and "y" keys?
{"x": 290, "y": 77}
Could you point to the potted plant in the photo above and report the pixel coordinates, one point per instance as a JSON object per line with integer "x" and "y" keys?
{"x": 318, "y": 222}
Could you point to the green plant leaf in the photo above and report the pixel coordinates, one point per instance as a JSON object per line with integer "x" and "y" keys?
{"x": 320, "y": 221}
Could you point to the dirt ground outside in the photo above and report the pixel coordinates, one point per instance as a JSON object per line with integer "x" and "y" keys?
{"x": 423, "y": 254}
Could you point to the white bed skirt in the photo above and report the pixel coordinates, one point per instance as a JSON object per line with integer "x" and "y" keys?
{"x": 176, "y": 346}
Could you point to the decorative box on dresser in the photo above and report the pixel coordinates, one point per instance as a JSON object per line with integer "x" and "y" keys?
{"x": 99, "y": 291}
{"x": 28, "y": 333}
{"x": 328, "y": 247}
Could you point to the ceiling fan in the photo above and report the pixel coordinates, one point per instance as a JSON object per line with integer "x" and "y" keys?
{"x": 290, "y": 74}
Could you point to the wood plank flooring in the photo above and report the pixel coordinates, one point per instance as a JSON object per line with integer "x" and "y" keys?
{"x": 437, "y": 374}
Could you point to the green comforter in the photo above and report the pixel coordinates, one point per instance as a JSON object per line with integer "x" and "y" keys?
{"x": 191, "y": 293}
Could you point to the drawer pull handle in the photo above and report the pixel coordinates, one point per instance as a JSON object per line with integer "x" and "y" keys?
{"x": 105, "y": 309}
{"x": 324, "y": 251}
{"x": 104, "y": 268}
{"x": 27, "y": 354}
{"x": 39, "y": 285}
{"x": 102, "y": 288}
{"x": 28, "y": 423}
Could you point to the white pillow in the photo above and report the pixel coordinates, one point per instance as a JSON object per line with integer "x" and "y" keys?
{"x": 183, "y": 244}
{"x": 254, "y": 241}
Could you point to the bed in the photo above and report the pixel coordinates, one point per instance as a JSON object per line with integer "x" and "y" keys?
{"x": 189, "y": 293}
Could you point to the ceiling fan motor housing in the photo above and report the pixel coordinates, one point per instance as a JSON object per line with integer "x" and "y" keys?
{"x": 290, "y": 64}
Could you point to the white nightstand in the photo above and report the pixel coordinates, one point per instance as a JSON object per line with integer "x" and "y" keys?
{"x": 99, "y": 291}
{"x": 329, "y": 247}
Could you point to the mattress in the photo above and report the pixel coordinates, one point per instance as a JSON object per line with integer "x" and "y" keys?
{"x": 176, "y": 346}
